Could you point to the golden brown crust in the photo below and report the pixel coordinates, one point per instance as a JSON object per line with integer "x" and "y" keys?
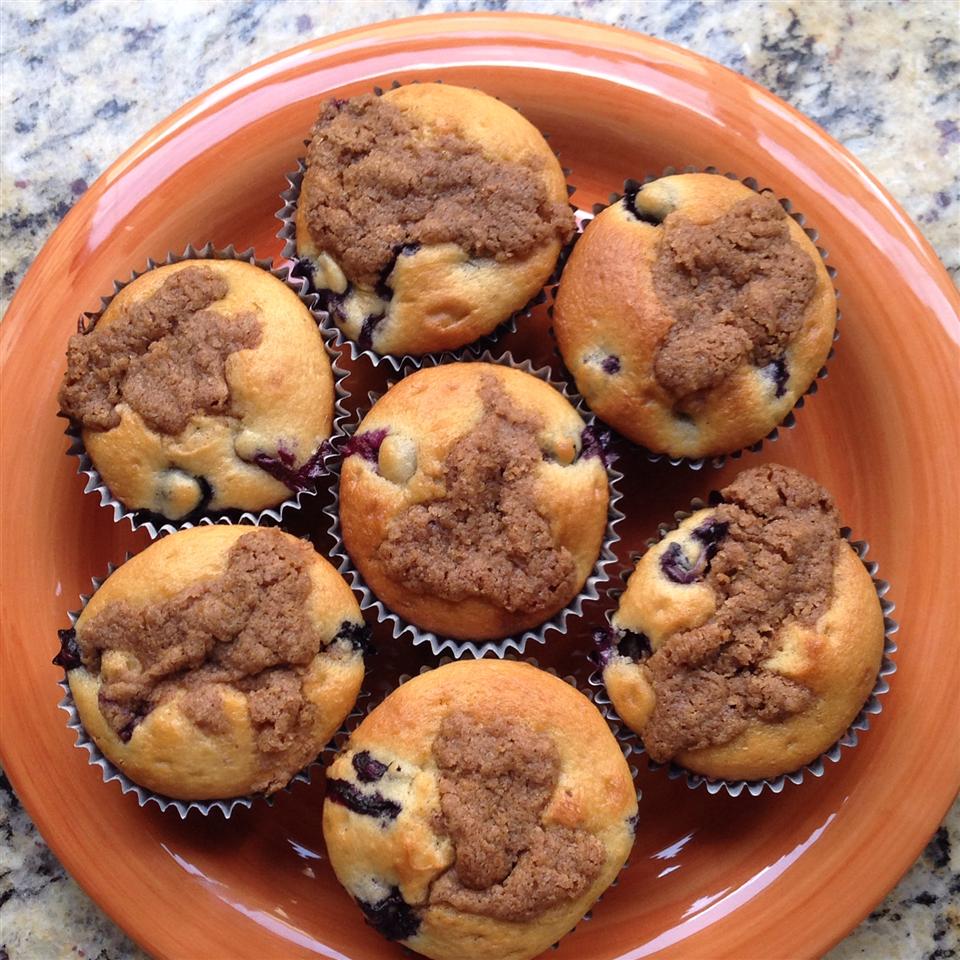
{"x": 433, "y": 409}
{"x": 167, "y": 752}
{"x": 607, "y": 306}
{"x": 837, "y": 659}
{"x": 370, "y": 856}
{"x": 281, "y": 396}
{"x": 442, "y": 298}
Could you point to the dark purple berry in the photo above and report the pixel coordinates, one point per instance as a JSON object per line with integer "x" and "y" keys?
{"x": 392, "y": 917}
{"x": 281, "y": 467}
{"x": 366, "y": 445}
{"x": 596, "y": 443}
{"x": 605, "y": 640}
{"x": 368, "y": 804}
{"x": 69, "y": 655}
{"x": 611, "y": 364}
{"x": 777, "y": 372}
{"x": 331, "y": 302}
{"x": 676, "y": 566}
{"x": 630, "y": 201}
{"x": 356, "y": 634}
{"x": 634, "y": 646}
{"x": 711, "y": 531}
{"x": 368, "y": 769}
{"x": 365, "y": 340}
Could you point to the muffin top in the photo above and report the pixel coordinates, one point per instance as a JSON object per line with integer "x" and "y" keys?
{"x": 216, "y": 663}
{"x": 693, "y": 314}
{"x": 473, "y": 500}
{"x": 204, "y": 385}
{"x": 429, "y": 214}
{"x": 748, "y": 639}
{"x": 484, "y": 804}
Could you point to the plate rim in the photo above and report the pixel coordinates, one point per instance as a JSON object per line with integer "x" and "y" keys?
{"x": 507, "y": 28}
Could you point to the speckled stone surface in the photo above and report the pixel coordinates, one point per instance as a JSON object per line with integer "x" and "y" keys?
{"x": 82, "y": 80}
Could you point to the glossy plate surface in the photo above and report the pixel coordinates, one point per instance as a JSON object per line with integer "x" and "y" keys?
{"x": 710, "y": 876}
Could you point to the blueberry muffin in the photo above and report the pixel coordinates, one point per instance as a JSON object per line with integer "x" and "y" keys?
{"x": 204, "y": 386}
{"x": 693, "y": 314}
{"x": 473, "y": 500}
{"x": 428, "y": 215}
{"x": 479, "y": 811}
{"x": 748, "y": 639}
{"x": 217, "y": 663}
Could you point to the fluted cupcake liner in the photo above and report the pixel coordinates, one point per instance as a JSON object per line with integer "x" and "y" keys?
{"x": 790, "y": 420}
{"x": 287, "y": 215}
{"x": 459, "y": 648}
{"x": 110, "y": 772}
{"x": 594, "y": 694}
{"x": 815, "y": 768}
{"x": 154, "y": 523}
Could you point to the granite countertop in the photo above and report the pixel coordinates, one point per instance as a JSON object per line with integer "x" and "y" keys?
{"x": 83, "y": 79}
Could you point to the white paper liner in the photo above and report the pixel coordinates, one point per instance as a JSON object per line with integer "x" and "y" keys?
{"x": 111, "y": 773}
{"x": 789, "y": 421}
{"x": 341, "y": 741}
{"x": 478, "y": 649}
{"x": 815, "y": 768}
{"x": 154, "y": 523}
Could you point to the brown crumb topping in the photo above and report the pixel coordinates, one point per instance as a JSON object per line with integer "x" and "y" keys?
{"x": 378, "y": 179}
{"x": 244, "y": 629}
{"x": 485, "y": 536}
{"x": 773, "y": 566}
{"x": 164, "y": 357}
{"x": 496, "y": 778}
{"x": 738, "y": 288}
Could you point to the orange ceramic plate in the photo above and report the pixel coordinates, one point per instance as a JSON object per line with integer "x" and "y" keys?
{"x": 710, "y": 876}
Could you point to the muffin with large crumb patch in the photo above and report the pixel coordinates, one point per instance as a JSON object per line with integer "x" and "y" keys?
{"x": 693, "y": 314}
{"x": 748, "y": 639}
{"x": 428, "y": 215}
{"x": 479, "y": 811}
{"x": 216, "y": 663}
{"x": 473, "y": 500}
{"x": 204, "y": 386}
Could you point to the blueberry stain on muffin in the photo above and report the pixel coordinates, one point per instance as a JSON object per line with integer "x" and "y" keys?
{"x": 680, "y": 566}
{"x": 777, "y": 371}
{"x": 368, "y": 768}
{"x": 366, "y": 803}
{"x": 365, "y": 445}
{"x": 69, "y": 656}
{"x": 596, "y": 443}
{"x": 610, "y": 364}
{"x": 392, "y": 917}
{"x": 356, "y": 634}
{"x": 283, "y": 467}
{"x": 484, "y": 536}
